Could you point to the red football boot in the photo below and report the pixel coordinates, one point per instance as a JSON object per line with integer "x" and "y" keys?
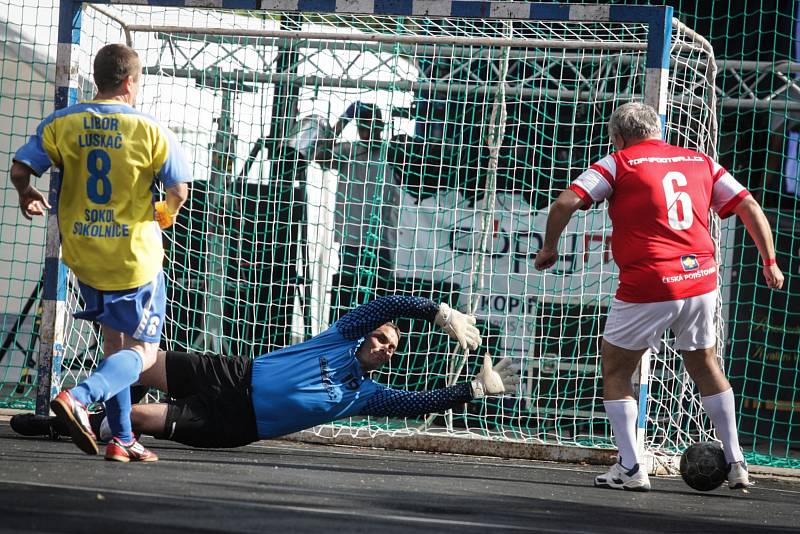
{"x": 116, "y": 451}
{"x": 74, "y": 415}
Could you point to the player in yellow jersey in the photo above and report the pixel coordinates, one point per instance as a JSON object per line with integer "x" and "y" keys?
{"x": 110, "y": 156}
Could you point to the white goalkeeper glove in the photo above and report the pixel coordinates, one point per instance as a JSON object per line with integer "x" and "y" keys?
{"x": 495, "y": 380}
{"x": 459, "y": 326}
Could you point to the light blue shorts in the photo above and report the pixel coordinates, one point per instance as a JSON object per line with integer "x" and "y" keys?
{"x": 137, "y": 312}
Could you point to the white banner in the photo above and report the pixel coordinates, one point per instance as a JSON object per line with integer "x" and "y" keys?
{"x": 439, "y": 239}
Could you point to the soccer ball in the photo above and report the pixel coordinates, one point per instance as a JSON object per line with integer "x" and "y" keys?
{"x": 703, "y": 466}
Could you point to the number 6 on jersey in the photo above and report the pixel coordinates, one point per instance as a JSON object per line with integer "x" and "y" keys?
{"x": 679, "y": 203}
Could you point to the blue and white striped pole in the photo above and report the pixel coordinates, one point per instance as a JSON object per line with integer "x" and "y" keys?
{"x": 51, "y": 335}
{"x": 656, "y": 78}
{"x": 651, "y": 15}
{"x": 655, "y": 94}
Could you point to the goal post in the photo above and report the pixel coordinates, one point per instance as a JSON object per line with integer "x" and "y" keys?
{"x": 486, "y": 109}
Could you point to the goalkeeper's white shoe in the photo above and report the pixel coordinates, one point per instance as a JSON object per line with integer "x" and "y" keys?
{"x": 625, "y": 479}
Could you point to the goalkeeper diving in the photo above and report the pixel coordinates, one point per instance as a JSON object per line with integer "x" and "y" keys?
{"x": 218, "y": 401}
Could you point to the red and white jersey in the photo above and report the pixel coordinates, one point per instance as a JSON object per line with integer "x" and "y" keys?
{"x": 659, "y": 197}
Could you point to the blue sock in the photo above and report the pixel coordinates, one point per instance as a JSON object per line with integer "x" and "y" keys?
{"x": 115, "y": 373}
{"x": 118, "y": 411}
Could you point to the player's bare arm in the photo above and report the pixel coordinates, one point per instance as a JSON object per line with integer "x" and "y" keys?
{"x": 757, "y": 225}
{"x": 177, "y": 196}
{"x": 31, "y": 200}
{"x": 567, "y": 203}
{"x": 167, "y": 210}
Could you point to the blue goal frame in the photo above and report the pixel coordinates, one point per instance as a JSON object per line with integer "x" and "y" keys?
{"x": 659, "y": 29}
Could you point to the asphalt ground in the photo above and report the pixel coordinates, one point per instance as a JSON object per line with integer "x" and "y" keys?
{"x": 281, "y": 486}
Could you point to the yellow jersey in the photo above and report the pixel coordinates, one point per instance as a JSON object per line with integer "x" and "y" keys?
{"x": 110, "y": 156}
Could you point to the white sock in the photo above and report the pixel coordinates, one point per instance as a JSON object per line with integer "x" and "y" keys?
{"x": 722, "y": 412}
{"x": 622, "y": 415}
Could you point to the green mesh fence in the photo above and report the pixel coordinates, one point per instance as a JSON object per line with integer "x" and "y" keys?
{"x": 291, "y": 222}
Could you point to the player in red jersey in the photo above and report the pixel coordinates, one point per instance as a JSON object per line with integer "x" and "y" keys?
{"x": 659, "y": 201}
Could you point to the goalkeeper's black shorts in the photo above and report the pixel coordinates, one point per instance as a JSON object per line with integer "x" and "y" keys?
{"x": 210, "y": 400}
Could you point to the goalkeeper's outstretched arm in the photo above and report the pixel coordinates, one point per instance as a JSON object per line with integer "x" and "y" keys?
{"x": 367, "y": 317}
{"x": 491, "y": 380}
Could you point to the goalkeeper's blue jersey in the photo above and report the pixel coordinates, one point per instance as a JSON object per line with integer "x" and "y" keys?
{"x": 309, "y": 384}
{"x": 320, "y": 380}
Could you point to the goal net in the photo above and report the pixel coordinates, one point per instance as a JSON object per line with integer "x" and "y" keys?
{"x": 340, "y": 157}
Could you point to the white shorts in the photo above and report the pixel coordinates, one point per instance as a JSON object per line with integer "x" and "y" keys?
{"x": 635, "y": 326}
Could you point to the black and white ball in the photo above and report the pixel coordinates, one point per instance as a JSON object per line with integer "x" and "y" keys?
{"x": 703, "y": 466}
